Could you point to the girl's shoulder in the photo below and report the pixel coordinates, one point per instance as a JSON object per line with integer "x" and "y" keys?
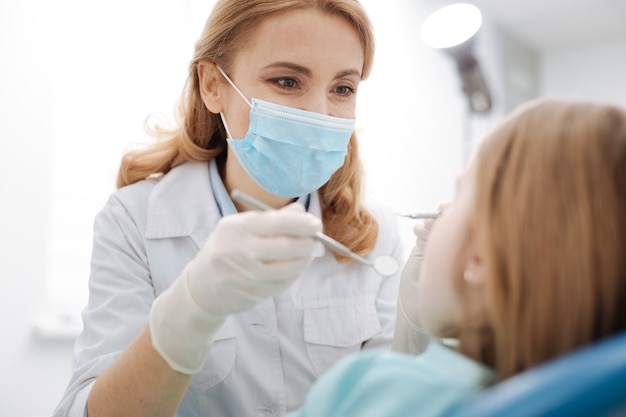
{"x": 383, "y": 383}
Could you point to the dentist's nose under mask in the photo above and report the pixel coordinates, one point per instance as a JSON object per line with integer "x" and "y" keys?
{"x": 290, "y": 152}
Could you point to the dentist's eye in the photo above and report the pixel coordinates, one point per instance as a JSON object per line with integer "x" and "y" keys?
{"x": 345, "y": 91}
{"x": 286, "y": 83}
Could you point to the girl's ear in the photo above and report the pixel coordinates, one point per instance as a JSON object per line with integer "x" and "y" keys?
{"x": 211, "y": 82}
{"x": 475, "y": 280}
{"x": 474, "y": 272}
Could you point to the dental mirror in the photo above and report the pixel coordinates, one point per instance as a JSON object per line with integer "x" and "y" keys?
{"x": 385, "y": 265}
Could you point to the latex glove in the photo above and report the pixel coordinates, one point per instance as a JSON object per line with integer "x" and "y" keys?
{"x": 409, "y": 336}
{"x": 249, "y": 257}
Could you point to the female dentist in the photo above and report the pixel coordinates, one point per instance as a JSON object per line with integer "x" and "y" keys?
{"x": 199, "y": 306}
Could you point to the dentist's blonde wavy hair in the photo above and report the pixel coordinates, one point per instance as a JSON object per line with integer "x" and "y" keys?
{"x": 201, "y": 136}
{"x": 550, "y": 220}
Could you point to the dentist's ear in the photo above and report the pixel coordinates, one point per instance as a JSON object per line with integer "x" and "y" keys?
{"x": 211, "y": 86}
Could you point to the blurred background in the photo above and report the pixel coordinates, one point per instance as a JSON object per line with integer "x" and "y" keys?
{"x": 77, "y": 80}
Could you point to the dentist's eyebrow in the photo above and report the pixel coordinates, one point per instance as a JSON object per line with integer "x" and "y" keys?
{"x": 307, "y": 72}
{"x": 290, "y": 65}
{"x": 348, "y": 73}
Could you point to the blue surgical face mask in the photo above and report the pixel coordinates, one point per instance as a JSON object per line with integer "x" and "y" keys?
{"x": 290, "y": 152}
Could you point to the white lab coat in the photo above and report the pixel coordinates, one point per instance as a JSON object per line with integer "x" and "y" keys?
{"x": 264, "y": 360}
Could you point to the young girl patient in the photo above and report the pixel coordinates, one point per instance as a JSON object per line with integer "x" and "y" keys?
{"x": 526, "y": 264}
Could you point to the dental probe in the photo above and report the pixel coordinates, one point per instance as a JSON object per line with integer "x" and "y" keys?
{"x": 420, "y": 215}
{"x": 384, "y": 264}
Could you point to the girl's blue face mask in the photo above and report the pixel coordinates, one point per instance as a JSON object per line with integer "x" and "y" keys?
{"x": 290, "y": 152}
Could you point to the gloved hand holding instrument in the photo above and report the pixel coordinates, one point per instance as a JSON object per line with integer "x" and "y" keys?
{"x": 409, "y": 337}
{"x": 249, "y": 257}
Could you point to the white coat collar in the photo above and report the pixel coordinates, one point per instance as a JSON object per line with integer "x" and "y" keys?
{"x": 182, "y": 204}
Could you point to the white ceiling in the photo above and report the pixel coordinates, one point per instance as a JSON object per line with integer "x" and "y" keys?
{"x": 546, "y": 24}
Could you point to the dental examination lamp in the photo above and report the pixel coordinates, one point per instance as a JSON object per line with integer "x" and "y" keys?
{"x": 452, "y": 29}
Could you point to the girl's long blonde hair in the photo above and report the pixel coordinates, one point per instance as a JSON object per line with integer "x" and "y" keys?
{"x": 200, "y": 135}
{"x": 550, "y": 217}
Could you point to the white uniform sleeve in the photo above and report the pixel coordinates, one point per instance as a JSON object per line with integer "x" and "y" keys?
{"x": 120, "y": 296}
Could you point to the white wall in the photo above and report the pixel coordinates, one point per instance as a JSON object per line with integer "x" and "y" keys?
{"x": 74, "y": 77}
{"x": 593, "y": 71}
{"x": 59, "y": 54}
{"x": 32, "y": 371}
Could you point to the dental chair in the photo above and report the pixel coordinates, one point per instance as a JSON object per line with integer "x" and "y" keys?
{"x": 587, "y": 382}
